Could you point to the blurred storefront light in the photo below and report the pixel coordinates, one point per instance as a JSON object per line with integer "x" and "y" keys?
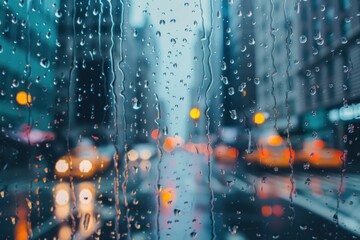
{"x": 348, "y": 113}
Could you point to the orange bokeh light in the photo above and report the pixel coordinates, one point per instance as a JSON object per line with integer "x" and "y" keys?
{"x": 155, "y": 134}
{"x": 168, "y": 196}
{"x": 318, "y": 143}
{"x": 259, "y": 118}
{"x": 23, "y": 98}
{"x": 169, "y": 144}
{"x": 275, "y": 140}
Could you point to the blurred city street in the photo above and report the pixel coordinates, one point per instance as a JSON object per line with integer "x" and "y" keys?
{"x": 167, "y": 119}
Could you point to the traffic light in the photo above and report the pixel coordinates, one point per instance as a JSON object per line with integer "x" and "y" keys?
{"x": 195, "y": 113}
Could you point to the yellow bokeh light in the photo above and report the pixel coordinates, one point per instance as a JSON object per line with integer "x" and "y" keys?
{"x": 23, "y": 98}
{"x": 195, "y": 113}
{"x": 259, "y": 118}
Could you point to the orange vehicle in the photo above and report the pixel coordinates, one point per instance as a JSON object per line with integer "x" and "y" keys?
{"x": 319, "y": 155}
{"x": 272, "y": 151}
{"x": 85, "y": 161}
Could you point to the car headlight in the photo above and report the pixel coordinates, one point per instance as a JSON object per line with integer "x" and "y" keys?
{"x": 61, "y": 166}
{"x": 85, "y": 196}
{"x": 133, "y": 155}
{"x": 85, "y": 166}
{"x": 62, "y": 197}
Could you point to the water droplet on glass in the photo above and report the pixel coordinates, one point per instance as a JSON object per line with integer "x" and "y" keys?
{"x": 313, "y": 90}
{"x": 233, "y": 229}
{"x": 233, "y": 114}
{"x": 86, "y": 221}
{"x": 177, "y": 212}
{"x": 45, "y": 63}
{"x": 136, "y": 104}
{"x": 193, "y": 235}
{"x": 231, "y": 91}
{"x": 306, "y": 165}
{"x": 303, "y": 39}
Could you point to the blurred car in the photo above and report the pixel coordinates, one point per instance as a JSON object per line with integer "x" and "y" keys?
{"x": 272, "y": 151}
{"x": 317, "y": 154}
{"x": 85, "y": 160}
{"x": 226, "y": 154}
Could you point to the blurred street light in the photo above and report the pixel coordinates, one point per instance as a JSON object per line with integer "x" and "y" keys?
{"x": 195, "y": 113}
{"x": 259, "y": 118}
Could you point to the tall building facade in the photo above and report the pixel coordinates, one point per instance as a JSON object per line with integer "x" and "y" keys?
{"x": 27, "y": 56}
{"x": 330, "y": 72}
{"x": 277, "y": 88}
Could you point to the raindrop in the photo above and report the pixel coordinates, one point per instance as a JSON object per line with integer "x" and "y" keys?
{"x": 137, "y": 225}
{"x": 165, "y": 130}
{"x": 158, "y": 33}
{"x": 223, "y": 66}
{"x": 173, "y": 41}
{"x": 306, "y": 165}
{"x": 136, "y": 104}
{"x": 303, "y": 227}
{"x": 233, "y": 229}
{"x": 343, "y": 40}
{"x": 231, "y": 91}
{"x": 252, "y": 41}
{"x": 257, "y": 81}
{"x": 193, "y": 235}
{"x": 86, "y": 221}
{"x": 303, "y": 39}
{"x": 313, "y": 90}
{"x": 162, "y": 22}
{"x": 233, "y": 114}
{"x": 45, "y": 63}
{"x": 177, "y": 212}
{"x": 58, "y": 14}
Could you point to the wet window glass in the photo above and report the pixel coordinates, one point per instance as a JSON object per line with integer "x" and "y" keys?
{"x": 168, "y": 119}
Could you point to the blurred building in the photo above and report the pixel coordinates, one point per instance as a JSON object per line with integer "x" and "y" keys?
{"x": 330, "y": 71}
{"x": 27, "y": 55}
{"x": 238, "y": 62}
{"x": 88, "y": 73}
{"x": 277, "y": 87}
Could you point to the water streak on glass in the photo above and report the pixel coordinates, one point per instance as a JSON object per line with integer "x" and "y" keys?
{"x": 273, "y": 62}
{"x": 203, "y": 50}
{"x": 103, "y": 75}
{"x": 69, "y": 110}
{"x": 122, "y": 95}
{"x": 114, "y": 138}
{"x": 289, "y": 34}
{"x": 29, "y": 125}
{"x": 342, "y": 158}
{"x": 158, "y": 173}
{"x": 212, "y": 218}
